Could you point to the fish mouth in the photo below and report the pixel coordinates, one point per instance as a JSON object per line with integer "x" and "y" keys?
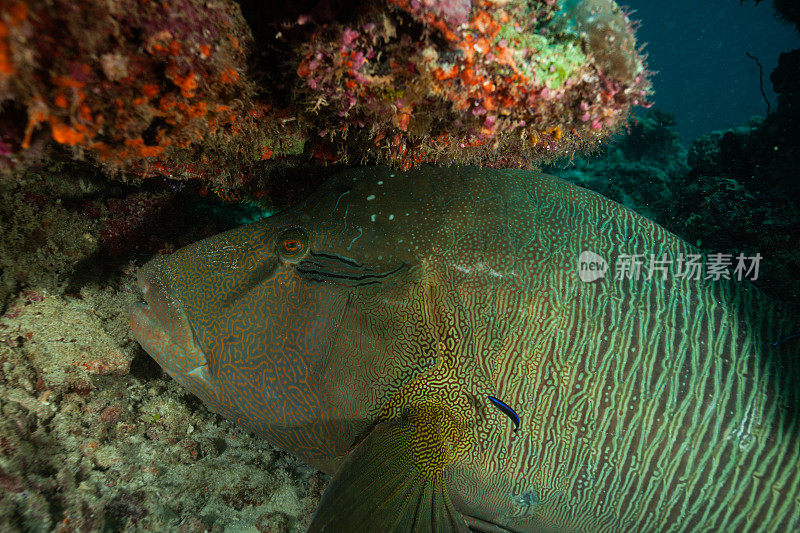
{"x": 161, "y": 326}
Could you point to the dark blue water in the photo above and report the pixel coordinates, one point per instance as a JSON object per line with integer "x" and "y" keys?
{"x": 700, "y": 49}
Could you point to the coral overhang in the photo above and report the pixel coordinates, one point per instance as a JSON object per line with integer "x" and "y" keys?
{"x": 171, "y": 88}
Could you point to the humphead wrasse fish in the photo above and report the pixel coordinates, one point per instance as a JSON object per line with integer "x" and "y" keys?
{"x": 429, "y": 339}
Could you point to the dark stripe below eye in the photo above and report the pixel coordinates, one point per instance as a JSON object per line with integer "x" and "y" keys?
{"x": 341, "y": 270}
{"x": 327, "y": 262}
{"x": 336, "y": 258}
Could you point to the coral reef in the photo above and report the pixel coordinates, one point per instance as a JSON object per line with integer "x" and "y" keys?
{"x": 87, "y": 445}
{"x": 502, "y": 84}
{"x": 789, "y": 10}
{"x": 739, "y": 196}
{"x": 93, "y": 437}
{"x": 742, "y": 193}
{"x": 42, "y": 240}
{"x": 128, "y": 83}
{"x": 182, "y": 89}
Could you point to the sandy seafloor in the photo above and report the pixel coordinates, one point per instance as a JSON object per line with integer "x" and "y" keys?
{"x": 94, "y": 437}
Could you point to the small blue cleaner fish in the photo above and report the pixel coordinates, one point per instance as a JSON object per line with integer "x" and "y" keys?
{"x": 508, "y": 411}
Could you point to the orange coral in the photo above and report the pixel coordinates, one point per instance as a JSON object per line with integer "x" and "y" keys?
{"x": 65, "y": 134}
{"x": 6, "y": 65}
{"x": 175, "y": 79}
{"x": 36, "y": 114}
{"x": 187, "y": 83}
{"x": 229, "y": 75}
{"x": 141, "y": 149}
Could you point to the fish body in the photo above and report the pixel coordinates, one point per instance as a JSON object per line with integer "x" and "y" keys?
{"x": 365, "y": 329}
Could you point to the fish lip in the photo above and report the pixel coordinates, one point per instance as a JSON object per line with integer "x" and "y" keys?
{"x": 146, "y": 321}
{"x": 162, "y": 327}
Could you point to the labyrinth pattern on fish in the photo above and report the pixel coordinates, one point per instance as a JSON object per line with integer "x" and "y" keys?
{"x": 645, "y": 404}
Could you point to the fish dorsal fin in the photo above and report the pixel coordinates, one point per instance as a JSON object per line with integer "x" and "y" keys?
{"x": 394, "y": 479}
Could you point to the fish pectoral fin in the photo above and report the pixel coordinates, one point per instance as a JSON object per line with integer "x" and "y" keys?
{"x": 394, "y": 479}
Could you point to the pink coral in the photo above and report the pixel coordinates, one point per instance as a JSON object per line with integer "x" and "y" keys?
{"x": 467, "y": 89}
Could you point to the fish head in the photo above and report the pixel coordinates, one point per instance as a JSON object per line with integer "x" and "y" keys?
{"x": 299, "y": 326}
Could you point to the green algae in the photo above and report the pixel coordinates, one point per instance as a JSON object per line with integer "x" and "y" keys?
{"x": 549, "y": 60}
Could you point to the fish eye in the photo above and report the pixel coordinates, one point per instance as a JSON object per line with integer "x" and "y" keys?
{"x": 292, "y": 243}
